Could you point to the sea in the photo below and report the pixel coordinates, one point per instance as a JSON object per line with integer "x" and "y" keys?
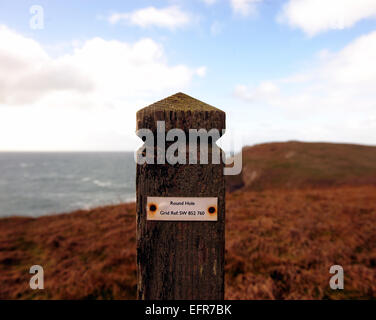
{"x": 36, "y": 184}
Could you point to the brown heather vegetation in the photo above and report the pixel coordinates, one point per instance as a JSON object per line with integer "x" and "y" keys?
{"x": 296, "y": 165}
{"x": 307, "y": 207}
{"x": 281, "y": 243}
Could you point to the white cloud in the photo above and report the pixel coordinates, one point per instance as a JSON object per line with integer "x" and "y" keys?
{"x": 338, "y": 91}
{"x": 27, "y": 72}
{"x": 315, "y": 16}
{"x": 201, "y": 71}
{"x": 170, "y": 17}
{"x": 83, "y": 100}
{"x": 245, "y": 7}
{"x": 336, "y": 80}
{"x": 107, "y": 68}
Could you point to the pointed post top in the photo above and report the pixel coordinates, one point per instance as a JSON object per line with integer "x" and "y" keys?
{"x": 181, "y": 111}
{"x": 180, "y": 102}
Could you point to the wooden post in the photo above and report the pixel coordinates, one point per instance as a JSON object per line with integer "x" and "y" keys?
{"x": 179, "y": 260}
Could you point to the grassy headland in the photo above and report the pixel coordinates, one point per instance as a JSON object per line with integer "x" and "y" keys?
{"x": 297, "y": 209}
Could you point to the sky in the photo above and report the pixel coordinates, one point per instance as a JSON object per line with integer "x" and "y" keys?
{"x": 73, "y": 73}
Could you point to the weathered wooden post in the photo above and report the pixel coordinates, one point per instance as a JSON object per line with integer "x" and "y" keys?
{"x": 180, "y": 210}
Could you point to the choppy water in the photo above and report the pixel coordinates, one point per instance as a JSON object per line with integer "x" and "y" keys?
{"x": 34, "y": 184}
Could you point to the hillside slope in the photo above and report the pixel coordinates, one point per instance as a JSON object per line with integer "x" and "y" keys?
{"x": 280, "y": 244}
{"x": 297, "y": 165}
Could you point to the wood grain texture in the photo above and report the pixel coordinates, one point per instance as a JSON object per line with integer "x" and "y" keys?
{"x": 180, "y": 260}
